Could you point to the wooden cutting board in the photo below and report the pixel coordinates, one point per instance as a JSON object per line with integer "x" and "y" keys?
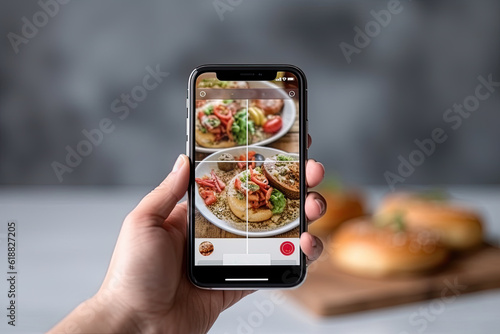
{"x": 327, "y": 291}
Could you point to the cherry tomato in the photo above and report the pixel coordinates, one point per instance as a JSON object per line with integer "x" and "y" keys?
{"x": 273, "y": 125}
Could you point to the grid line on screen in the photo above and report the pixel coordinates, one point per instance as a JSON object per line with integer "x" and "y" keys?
{"x": 247, "y": 177}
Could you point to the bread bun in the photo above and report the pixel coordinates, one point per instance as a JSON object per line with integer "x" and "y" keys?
{"x": 459, "y": 228}
{"x": 270, "y": 106}
{"x": 288, "y": 184}
{"x": 239, "y": 206}
{"x": 341, "y": 206}
{"x": 360, "y": 247}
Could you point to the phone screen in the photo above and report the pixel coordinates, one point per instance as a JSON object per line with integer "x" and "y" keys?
{"x": 247, "y": 192}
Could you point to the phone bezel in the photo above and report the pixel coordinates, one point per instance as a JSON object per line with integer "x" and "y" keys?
{"x": 278, "y": 276}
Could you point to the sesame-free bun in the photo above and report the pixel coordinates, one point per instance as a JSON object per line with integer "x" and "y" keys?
{"x": 239, "y": 205}
{"x": 207, "y": 139}
{"x": 341, "y": 206}
{"x": 362, "y": 248}
{"x": 460, "y": 228}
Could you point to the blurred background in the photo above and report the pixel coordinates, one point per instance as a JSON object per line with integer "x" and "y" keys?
{"x": 365, "y": 112}
{"x": 375, "y": 87}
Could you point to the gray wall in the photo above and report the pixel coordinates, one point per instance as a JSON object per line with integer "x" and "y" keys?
{"x": 363, "y": 114}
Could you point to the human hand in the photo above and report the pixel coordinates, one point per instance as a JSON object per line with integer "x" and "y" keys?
{"x": 146, "y": 288}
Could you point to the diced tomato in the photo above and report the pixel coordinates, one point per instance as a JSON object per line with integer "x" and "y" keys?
{"x": 211, "y": 199}
{"x": 208, "y": 196}
{"x": 273, "y": 124}
{"x": 237, "y": 183}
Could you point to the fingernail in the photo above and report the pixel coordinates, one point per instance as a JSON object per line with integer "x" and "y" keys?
{"x": 314, "y": 242}
{"x": 321, "y": 206}
{"x": 178, "y": 164}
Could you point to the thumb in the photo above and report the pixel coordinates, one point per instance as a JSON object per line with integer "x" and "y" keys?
{"x": 158, "y": 204}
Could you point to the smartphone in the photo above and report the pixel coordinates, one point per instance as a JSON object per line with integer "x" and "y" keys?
{"x": 247, "y": 143}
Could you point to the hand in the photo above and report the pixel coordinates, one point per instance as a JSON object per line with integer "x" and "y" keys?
{"x": 146, "y": 288}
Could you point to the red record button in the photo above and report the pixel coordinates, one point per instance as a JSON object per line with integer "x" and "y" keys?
{"x": 287, "y": 248}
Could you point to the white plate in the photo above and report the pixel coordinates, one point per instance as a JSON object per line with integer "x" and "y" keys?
{"x": 288, "y": 114}
{"x": 210, "y": 163}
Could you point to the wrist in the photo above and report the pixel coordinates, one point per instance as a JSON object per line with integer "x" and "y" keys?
{"x": 98, "y": 315}
{"x": 111, "y": 314}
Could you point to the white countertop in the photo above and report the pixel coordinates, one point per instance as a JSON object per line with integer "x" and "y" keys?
{"x": 66, "y": 237}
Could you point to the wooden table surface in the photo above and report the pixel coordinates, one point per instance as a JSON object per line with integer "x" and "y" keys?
{"x": 288, "y": 143}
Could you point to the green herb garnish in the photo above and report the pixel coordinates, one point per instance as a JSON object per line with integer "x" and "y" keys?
{"x": 213, "y": 122}
{"x": 209, "y": 110}
{"x": 244, "y": 176}
{"x": 278, "y": 201}
{"x": 282, "y": 157}
{"x": 253, "y": 187}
